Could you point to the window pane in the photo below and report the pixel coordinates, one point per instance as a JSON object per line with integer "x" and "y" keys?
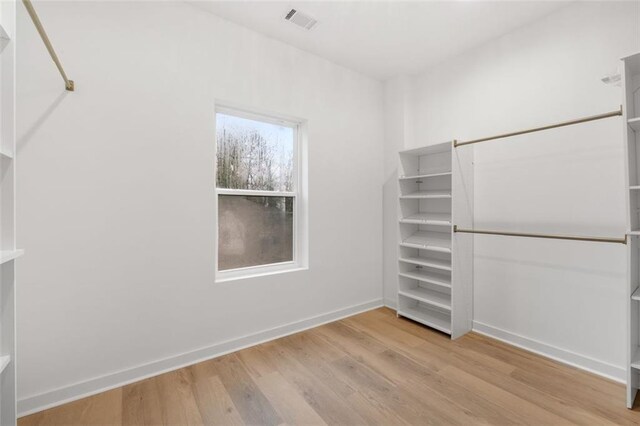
{"x": 254, "y": 231}
{"x": 254, "y": 154}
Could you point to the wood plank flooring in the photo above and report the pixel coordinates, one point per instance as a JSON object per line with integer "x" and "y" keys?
{"x": 371, "y": 368}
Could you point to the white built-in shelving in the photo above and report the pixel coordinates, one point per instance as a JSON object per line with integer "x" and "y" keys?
{"x": 440, "y": 219}
{"x": 435, "y": 265}
{"x": 8, "y": 251}
{"x": 5, "y": 39}
{"x": 427, "y": 194}
{"x": 425, "y": 176}
{"x": 417, "y": 311}
{"x": 9, "y": 255}
{"x": 631, "y": 134}
{"x": 428, "y": 240}
{"x": 430, "y": 277}
{"x": 4, "y": 362}
{"x": 635, "y": 359}
{"x": 435, "y": 298}
{"x": 442, "y": 265}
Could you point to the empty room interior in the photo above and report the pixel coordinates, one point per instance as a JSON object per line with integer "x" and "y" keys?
{"x": 342, "y": 212}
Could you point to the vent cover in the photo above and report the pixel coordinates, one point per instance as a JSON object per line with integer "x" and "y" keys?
{"x": 300, "y": 19}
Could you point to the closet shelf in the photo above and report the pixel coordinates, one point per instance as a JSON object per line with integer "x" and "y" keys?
{"x": 425, "y": 176}
{"x": 440, "y": 219}
{"x": 8, "y": 255}
{"x": 430, "y": 263}
{"x": 4, "y": 38}
{"x": 430, "y": 297}
{"x": 635, "y": 362}
{"x": 636, "y": 294}
{"x": 438, "y": 320}
{"x": 427, "y": 194}
{"x": 428, "y": 277}
{"x": 427, "y": 150}
{"x": 634, "y": 232}
{"x": 634, "y": 123}
{"x": 634, "y": 187}
{"x": 434, "y": 241}
{"x": 4, "y": 361}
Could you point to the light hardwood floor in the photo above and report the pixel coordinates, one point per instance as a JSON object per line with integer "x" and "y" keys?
{"x": 372, "y": 368}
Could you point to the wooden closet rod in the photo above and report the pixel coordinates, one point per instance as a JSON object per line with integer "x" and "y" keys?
{"x": 537, "y": 129}
{"x": 549, "y": 236}
{"x": 68, "y": 84}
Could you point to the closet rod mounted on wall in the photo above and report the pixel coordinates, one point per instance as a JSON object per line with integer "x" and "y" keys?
{"x": 548, "y": 236}
{"x": 68, "y": 84}
{"x": 537, "y": 129}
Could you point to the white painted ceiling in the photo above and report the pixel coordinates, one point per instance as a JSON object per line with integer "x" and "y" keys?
{"x": 385, "y": 38}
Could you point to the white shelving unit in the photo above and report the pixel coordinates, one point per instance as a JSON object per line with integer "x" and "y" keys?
{"x": 440, "y": 219}
{"x": 435, "y": 265}
{"x": 9, "y": 255}
{"x": 631, "y": 132}
{"x": 426, "y": 194}
{"x": 4, "y": 362}
{"x": 8, "y": 251}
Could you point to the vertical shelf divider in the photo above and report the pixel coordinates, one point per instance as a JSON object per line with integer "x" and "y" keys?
{"x": 8, "y": 251}
{"x": 631, "y": 139}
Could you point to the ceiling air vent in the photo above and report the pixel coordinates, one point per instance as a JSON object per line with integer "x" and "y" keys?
{"x": 300, "y": 19}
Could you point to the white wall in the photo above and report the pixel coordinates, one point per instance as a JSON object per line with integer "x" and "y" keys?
{"x": 116, "y": 199}
{"x": 398, "y": 132}
{"x": 565, "y": 299}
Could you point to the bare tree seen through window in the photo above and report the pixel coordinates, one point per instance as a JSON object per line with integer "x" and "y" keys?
{"x": 254, "y": 155}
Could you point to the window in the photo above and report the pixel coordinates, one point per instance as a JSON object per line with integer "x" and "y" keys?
{"x": 259, "y": 200}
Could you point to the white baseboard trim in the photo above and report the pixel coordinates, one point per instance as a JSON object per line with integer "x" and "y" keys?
{"x": 564, "y": 356}
{"x": 49, "y": 399}
{"x": 391, "y": 303}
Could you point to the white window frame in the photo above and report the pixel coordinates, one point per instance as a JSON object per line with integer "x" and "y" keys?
{"x": 298, "y": 193}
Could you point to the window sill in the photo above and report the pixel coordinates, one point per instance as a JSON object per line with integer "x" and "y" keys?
{"x": 224, "y": 277}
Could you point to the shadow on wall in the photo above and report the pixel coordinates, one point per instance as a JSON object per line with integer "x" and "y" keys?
{"x": 24, "y": 139}
{"x": 390, "y": 237}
